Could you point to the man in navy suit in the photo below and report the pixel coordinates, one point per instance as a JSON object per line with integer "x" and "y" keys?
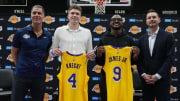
{"x": 156, "y": 57}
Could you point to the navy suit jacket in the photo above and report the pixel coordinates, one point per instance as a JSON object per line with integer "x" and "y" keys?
{"x": 161, "y": 60}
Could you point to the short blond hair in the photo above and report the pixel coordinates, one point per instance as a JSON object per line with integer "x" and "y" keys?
{"x": 75, "y": 7}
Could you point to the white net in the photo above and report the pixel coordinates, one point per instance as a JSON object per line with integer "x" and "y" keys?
{"x": 100, "y": 7}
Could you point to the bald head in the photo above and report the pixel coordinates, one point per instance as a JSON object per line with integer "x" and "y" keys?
{"x": 116, "y": 16}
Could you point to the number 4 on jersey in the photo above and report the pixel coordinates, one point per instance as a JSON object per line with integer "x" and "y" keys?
{"x": 72, "y": 80}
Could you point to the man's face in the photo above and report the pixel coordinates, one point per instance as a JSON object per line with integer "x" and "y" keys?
{"x": 116, "y": 22}
{"x": 152, "y": 20}
{"x": 37, "y": 15}
{"x": 74, "y": 16}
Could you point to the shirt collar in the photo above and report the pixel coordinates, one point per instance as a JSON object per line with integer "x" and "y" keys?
{"x": 155, "y": 33}
{"x": 29, "y": 28}
{"x": 79, "y": 28}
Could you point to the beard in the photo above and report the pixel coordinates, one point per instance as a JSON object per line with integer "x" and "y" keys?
{"x": 116, "y": 28}
{"x": 152, "y": 26}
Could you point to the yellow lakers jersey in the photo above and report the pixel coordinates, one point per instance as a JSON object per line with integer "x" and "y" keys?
{"x": 73, "y": 78}
{"x": 118, "y": 73}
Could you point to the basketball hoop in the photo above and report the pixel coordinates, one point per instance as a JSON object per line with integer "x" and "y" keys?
{"x": 100, "y": 7}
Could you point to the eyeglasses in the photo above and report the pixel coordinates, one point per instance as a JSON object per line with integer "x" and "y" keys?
{"x": 114, "y": 19}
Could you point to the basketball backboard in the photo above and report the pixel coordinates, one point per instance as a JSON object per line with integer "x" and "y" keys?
{"x": 110, "y": 3}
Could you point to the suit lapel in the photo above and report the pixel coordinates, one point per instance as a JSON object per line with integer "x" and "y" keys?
{"x": 156, "y": 42}
{"x": 147, "y": 44}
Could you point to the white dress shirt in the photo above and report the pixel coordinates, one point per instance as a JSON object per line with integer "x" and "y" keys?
{"x": 74, "y": 41}
{"x": 152, "y": 39}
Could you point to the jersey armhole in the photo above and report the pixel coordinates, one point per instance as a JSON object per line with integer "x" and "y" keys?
{"x": 105, "y": 56}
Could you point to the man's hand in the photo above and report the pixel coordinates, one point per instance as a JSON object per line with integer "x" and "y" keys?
{"x": 57, "y": 52}
{"x": 135, "y": 51}
{"x": 153, "y": 79}
{"x": 100, "y": 50}
{"x": 91, "y": 55}
{"x": 147, "y": 78}
{"x": 150, "y": 79}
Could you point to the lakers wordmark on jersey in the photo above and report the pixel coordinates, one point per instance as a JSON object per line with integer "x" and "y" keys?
{"x": 73, "y": 78}
{"x": 118, "y": 73}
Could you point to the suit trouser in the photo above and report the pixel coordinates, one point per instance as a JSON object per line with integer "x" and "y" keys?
{"x": 159, "y": 91}
{"x": 22, "y": 85}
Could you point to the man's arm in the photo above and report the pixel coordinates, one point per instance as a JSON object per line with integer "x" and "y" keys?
{"x": 100, "y": 55}
{"x": 89, "y": 49}
{"x": 135, "y": 50}
{"x": 166, "y": 66}
{"x": 55, "y": 51}
{"x": 14, "y": 53}
{"x": 49, "y": 46}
